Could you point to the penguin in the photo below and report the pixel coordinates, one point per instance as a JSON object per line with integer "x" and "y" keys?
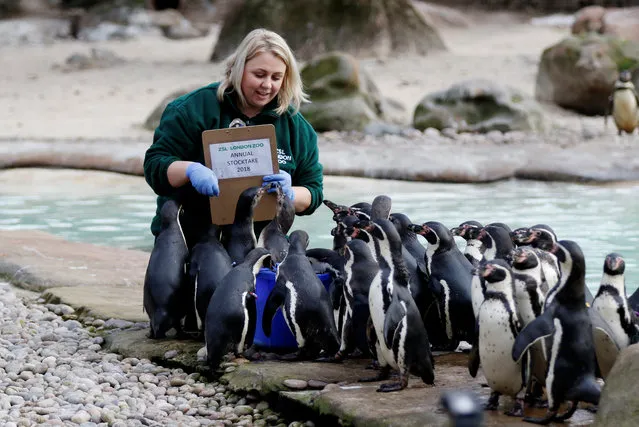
{"x": 496, "y": 242}
{"x": 450, "y": 275}
{"x": 498, "y": 327}
{"x": 529, "y": 301}
{"x": 166, "y": 292}
{"x": 239, "y": 238}
{"x": 623, "y": 103}
{"x": 209, "y": 264}
{"x": 402, "y": 340}
{"x": 342, "y": 231}
{"x": 469, "y": 230}
{"x": 273, "y": 236}
{"x": 413, "y": 253}
{"x": 340, "y": 211}
{"x": 571, "y": 367}
{"x": 360, "y": 268}
{"x": 305, "y": 300}
{"x": 633, "y": 301}
{"x": 611, "y": 303}
{"x": 232, "y": 313}
{"x": 527, "y": 278}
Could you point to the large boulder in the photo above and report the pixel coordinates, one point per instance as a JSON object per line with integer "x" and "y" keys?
{"x": 620, "y": 396}
{"x": 479, "y": 106}
{"x": 361, "y": 28}
{"x": 344, "y": 97}
{"x": 622, "y": 23}
{"x": 153, "y": 119}
{"x": 578, "y": 73}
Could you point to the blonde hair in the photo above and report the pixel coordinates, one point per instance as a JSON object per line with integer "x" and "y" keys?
{"x": 258, "y": 41}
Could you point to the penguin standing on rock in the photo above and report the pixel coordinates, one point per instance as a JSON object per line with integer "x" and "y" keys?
{"x": 572, "y": 364}
{"x": 498, "y": 327}
{"x": 402, "y": 340}
{"x": 239, "y": 238}
{"x": 232, "y": 312}
{"x": 612, "y": 305}
{"x": 451, "y": 318}
{"x": 209, "y": 264}
{"x": 623, "y": 103}
{"x": 166, "y": 294}
{"x": 306, "y": 303}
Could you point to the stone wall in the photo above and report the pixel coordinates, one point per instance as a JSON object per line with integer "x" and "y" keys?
{"x": 536, "y": 5}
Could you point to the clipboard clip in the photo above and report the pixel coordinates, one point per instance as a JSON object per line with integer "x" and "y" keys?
{"x": 237, "y": 123}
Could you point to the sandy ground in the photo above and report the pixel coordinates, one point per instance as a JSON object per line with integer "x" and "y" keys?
{"x": 39, "y": 101}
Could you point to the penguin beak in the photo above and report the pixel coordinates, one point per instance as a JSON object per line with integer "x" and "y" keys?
{"x": 457, "y": 231}
{"x": 487, "y": 270}
{"x": 253, "y": 294}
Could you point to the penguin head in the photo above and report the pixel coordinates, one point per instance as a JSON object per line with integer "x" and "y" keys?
{"x": 524, "y": 258}
{"x": 428, "y": 233}
{"x": 170, "y": 212}
{"x": 467, "y": 230}
{"x": 299, "y": 239}
{"x": 519, "y": 236}
{"x": 572, "y": 266}
{"x": 614, "y": 264}
{"x": 500, "y": 225}
{"x": 361, "y": 210}
{"x": 543, "y": 237}
{"x": 401, "y": 222}
{"x": 247, "y": 201}
{"x": 339, "y": 211}
{"x": 381, "y": 207}
{"x": 495, "y": 271}
{"x": 625, "y": 76}
{"x": 362, "y": 229}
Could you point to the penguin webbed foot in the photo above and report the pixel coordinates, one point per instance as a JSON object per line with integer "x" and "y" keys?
{"x": 517, "y": 409}
{"x": 374, "y": 365}
{"x": 566, "y": 415}
{"x": 396, "y": 386}
{"x": 550, "y": 416}
{"x": 336, "y": 358}
{"x": 493, "y": 402}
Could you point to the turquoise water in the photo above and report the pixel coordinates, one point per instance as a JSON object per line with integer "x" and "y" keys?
{"x": 601, "y": 218}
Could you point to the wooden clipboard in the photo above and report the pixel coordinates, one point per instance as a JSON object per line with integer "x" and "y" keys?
{"x": 223, "y": 206}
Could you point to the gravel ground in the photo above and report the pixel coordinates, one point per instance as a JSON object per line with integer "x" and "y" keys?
{"x": 53, "y": 371}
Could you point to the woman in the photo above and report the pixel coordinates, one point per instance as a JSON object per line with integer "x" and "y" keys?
{"x": 262, "y": 85}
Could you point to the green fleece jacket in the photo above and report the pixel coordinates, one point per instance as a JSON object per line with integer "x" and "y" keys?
{"x": 179, "y": 137}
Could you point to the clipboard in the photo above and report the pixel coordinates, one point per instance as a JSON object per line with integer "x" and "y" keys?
{"x": 240, "y": 158}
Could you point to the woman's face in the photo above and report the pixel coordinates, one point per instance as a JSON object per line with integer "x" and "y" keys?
{"x": 261, "y": 81}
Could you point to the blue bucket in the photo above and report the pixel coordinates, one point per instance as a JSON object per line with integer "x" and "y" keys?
{"x": 281, "y": 336}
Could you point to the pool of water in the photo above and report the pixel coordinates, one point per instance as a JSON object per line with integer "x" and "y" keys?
{"x": 601, "y": 218}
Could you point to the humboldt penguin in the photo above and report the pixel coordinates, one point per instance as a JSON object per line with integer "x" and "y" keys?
{"x": 469, "y": 231}
{"x": 305, "y": 301}
{"x": 498, "y": 327}
{"x": 232, "y": 313}
{"x": 612, "y": 304}
{"x": 239, "y": 238}
{"x": 209, "y": 264}
{"x": 623, "y": 104}
{"x": 360, "y": 268}
{"x": 451, "y": 320}
{"x": 496, "y": 242}
{"x": 572, "y": 365}
{"x": 166, "y": 292}
{"x": 273, "y": 236}
{"x": 402, "y": 340}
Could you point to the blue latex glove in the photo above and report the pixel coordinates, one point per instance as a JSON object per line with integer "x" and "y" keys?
{"x": 284, "y": 180}
{"x": 203, "y": 179}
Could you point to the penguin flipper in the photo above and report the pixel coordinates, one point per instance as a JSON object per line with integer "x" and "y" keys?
{"x": 539, "y": 328}
{"x": 273, "y": 302}
{"x": 252, "y": 322}
{"x": 394, "y": 316}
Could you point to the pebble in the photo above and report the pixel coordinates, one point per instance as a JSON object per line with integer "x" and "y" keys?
{"x": 295, "y": 384}
{"x": 316, "y": 384}
{"x": 54, "y": 372}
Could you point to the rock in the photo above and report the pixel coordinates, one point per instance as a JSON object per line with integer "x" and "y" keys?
{"x": 344, "y": 97}
{"x": 622, "y": 23}
{"x": 97, "y": 58}
{"x": 620, "y": 396}
{"x": 588, "y": 19}
{"x": 364, "y": 28}
{"x": 153, "y": 120}
{"x": 295, "y": 384}
{"x": 479, "y": 106}
{"x": 316, "y": 384}
{"x": 578, "y": 73}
